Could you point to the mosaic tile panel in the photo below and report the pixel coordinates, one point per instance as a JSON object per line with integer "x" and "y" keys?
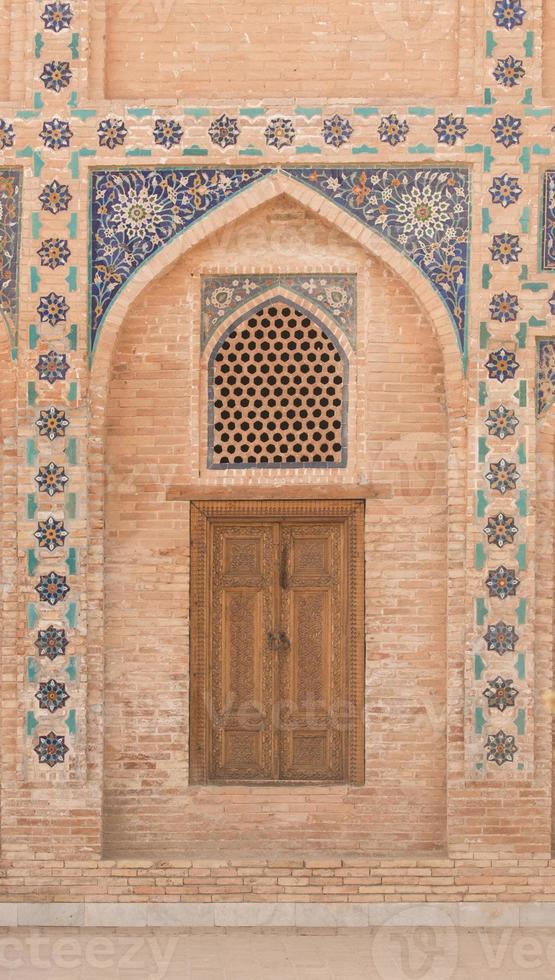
{"x": 10, "y": 229}
{"x": 548, "y": 224}
{"x": 334, "y": 293}
{"x": 545, "y": 374}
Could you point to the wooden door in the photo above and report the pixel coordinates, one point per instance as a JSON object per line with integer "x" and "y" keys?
{"x": 277, "y": 644}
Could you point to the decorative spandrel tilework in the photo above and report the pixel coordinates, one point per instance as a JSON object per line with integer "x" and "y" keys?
{"x": 545, "y": 374}
{"x": 136, "y": 212}
{"x": 423, "y": 213}
{"x": 10, "y": 203}
{"x": 334, "y": 293}
{"x": 548, "y": 224}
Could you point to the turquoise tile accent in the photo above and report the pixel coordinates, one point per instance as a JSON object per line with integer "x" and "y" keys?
{"x": 71, "y": 669}
{"x": 487, "y": 276}
{"x": 422, "y": 148}
{"x": 250, "y": 151}
{"x": 522, "y": 334}
{"x": 479, "y": 667}
{"x": 307, "y": 148}
{"x": 479, "y": 556}
{"x": 486, "y": 219}
{"x": 520, "y": 666}
{"x": 71, "y": 721}
{"x": 32, "y": 561}
{"x": 37, "y": 101}
{"x": 71, "y": 451}
{"x": 32, "y": 452}
{"x": 366, "y": 111}
{"x": 481, "y": 503}
{"x": 539, "y": 113}
{"x": 483, "y": 448}
{"x": 32, "y": 506}
{"x": 524, "y": 159}
{"x": 252, "y": 112}
{"x": 72, "y": 392}
{"x": 72, "y": 337}
{"x": 534, "y": 322}
{"x": 542, "y": 151}
{"x": 71, "y": 278}
{"x": 39, "y": 44}
{"x": 32, "y": 616}
{"x": 478, "y": 110}
{"x": 491, "y": 44}
{"x": 308, "y": 113}
{"x": 520, "y": 721}
{"x": 523, "y": 394}
{"x": 528, "y": 44}
{"x": 521, "y": 451}
{"x": 139, "y": 112}
{"x": 521, "y": 612}
{"x": 535, "y": 287}
{"x": 481, "y": 611}
{"x": 479, "y": 721}
{"x": 71, "y": 615}
{"x": 364, "y": 148}
{"x": 522, "y": 503}
{"x": 74, "y": 46}
{"x": 71, "y": 506}
{"x": 482, "y": 393}
{"x": 525, "y": 220}
{"x": 31, "y": 392}
{"x": 36, "y": 225}
{"x": 194, "y": 151}
{"x": 31, "y": 722}
{"x": 419, "y": 110}
{"x": 83, "y": 114}
{"x": 72, "y": 225}
{"x": 34, "y": 278}
{"x": 138, "y": 153}
{"x": 521, "y": 557}
{"x": 71, "y": 561}
{"x": 196, "y": 113}
{"x": 32, "y": 669}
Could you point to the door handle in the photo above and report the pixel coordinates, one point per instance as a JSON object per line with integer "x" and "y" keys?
{"x": 284, "y": 644}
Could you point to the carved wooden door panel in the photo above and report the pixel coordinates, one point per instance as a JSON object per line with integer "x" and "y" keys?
{"x": 312, "y": 664}
{"x": 277, "y": 642}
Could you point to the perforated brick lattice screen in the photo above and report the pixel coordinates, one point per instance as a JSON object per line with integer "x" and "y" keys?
{"x": 277, "y": 393}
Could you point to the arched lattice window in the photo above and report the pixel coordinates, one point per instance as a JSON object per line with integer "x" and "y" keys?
{"x": 277, "y": 392}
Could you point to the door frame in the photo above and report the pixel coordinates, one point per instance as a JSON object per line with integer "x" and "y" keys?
{"x": 351, "y": 513}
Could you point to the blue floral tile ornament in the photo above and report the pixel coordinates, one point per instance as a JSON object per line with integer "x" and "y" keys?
{"x": 508, "y": 71}
{"x": 504, "y": 307}
{"x": 507, "y": 130}
{"x": 52, "y": 309}
{"x": 136, "y": 212}
{"x": 500, "y": 748}
{"x": 55, "y": 134}
{"x": 167, "y": 133}
{"x": 51, "y": 479}
{"x": 224, "y": 131}
{"x": 52, "y": 367}
{"x": 57, "y": 17}
{"x": 545, "y": 374}
{"x": 112, "y": 133}
{"x": 56, "y": 75}
{"x": 10, "y": 226}
{"x": 393, "y": 130}
{"x": 53, "y": 252}
{"x": 449, "y": 129}
{"x": 424, "y": 213}
{"x": 52, "y": 422}
{"x": 501, "y": 422}
{"x": 502, "y": 476}
{"x": 501, "y": 638}
{"x": 51, "y": 749}
{"x": 52, "y": 695}
{"x": 505, "y": 248}
{"x": 509, "y": 14}
{"x": 505, "y": 190}
{"x": 7, "y": 135}
{"x": 548, "y": 224}
{"x": 500, "y": 693}
{"x": 279, "y": 132}
{"x": 336, "y": 130}
{"x": 52, "y": 588}
{"x": 51, "y": 642}
{"x": 55, "y": 197}
{"x": 51, "y": 534}
{"x": 500, "y": 530}
{"x": 502, "y": 582}
{"x": 502, "y": 365}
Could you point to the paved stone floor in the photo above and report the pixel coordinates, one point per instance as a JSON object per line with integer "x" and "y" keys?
{"x": 422, "y": 953}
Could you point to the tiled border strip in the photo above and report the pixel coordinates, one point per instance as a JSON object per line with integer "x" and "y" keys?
{"x": 122, "y": 915}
